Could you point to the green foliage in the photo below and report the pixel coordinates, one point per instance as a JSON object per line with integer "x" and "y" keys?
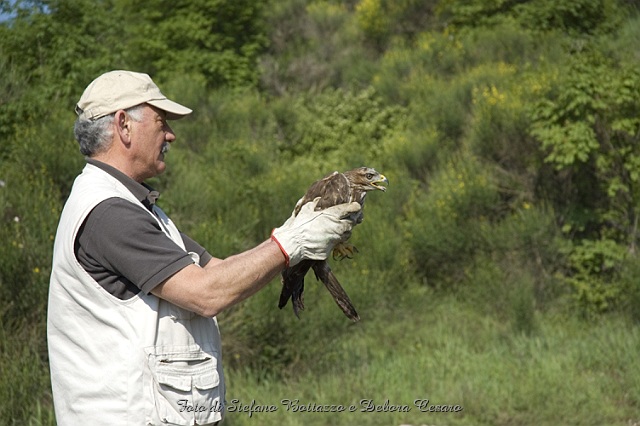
{"x": 519, "y": 264}
{"x": 50, "y": 55}
{"x": 343, "y": 127}
{"x": 589, "y": 125}
{"x": 314, "y": 45}
{"x": 24, "y": 374}
{"x": 444, "y": 350}
{"x": 594, "y": 275}
{"x": 380, "y": 20}
{"x": 473, "y": 12}
{"x": 624, "y": 44}
{"x": 219, "y": 39}
{"x": 55, "y": 48}
{"x": 445, "y": 225}
{"x": 222, "y": 164}
{"x": 574, "y": 17}
{"x": 36, "y": 177}
{"x": 501, "y": 119}
{"x": 503, "y": 290}
{"x": 629, "y": 284}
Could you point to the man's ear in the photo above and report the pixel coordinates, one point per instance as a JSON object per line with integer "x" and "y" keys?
{"x": 123, "y": 126}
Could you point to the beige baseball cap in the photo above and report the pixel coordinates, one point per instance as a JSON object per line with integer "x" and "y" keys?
{"x": 119, "y": 89}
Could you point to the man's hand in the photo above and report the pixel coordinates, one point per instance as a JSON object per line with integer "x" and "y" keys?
{"x": 312, "y": 234}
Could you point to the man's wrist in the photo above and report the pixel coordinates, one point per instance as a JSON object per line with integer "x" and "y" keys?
{"x": 282, "y": 250}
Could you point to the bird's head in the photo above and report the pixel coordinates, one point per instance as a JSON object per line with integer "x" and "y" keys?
{"x": 367, "y": 179}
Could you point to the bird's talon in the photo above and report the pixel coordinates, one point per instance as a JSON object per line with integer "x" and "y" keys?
{"x": 344, "y": 250}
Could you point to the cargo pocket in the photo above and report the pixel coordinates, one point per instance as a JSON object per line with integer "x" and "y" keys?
{"x": 185, "y": 389}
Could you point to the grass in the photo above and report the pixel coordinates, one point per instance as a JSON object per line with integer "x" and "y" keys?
{"x": 428, "y": 347}
{"x": 567, "y": 372}
{"x": 24, "y": 380}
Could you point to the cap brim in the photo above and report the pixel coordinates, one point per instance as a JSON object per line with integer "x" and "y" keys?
{"x": 173, "y": 109}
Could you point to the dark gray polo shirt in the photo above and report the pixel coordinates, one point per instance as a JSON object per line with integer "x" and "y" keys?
{"x": 124, "y": 249}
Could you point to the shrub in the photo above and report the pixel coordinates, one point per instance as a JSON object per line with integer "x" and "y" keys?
{"x": 344, "y": 128}
{"x": 594, "y": 275}
{"x": 500, "y": 285}
{"x": 224, "y": 184}
{"x": 629, "y": 281}
{"x": 33, "y": 184}
{"x": 314, "y": 45}
{"x": 380, "y": 20}
{"x": 575, "y": 18}
{"x": 219, "y": 39}
{"x": 36, "y": 177}
{"x": 24, "y": 375}
{"x": 587, "y": 124}
{"x": 501, "y": 120}
{"x": 444, "y": 226}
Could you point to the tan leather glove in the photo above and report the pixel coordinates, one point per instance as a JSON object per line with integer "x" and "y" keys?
{"x": 313, "y": 234}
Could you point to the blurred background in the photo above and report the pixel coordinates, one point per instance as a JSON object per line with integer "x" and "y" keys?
{"x": 500, "y": 270}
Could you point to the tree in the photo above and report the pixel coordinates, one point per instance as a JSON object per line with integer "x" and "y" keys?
{"x": 589, "y": 126}
{"x": 219, "y": 39}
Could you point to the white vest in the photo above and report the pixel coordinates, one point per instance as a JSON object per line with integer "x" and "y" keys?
{"x": 141, "y": 361}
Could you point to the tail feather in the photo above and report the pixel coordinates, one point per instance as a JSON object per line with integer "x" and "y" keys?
{"x": 297, "y": 300}
{"x": 323, "y": 273}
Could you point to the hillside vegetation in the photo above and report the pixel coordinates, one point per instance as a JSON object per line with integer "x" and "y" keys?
{"x": 500, "y": 271}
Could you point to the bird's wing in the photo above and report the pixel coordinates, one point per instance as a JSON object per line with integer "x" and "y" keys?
{"x": 333, "y": 189}
{"x": 293, "y": 286}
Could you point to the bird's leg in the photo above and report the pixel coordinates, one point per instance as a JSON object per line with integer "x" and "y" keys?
{"x": 344, "y": 250}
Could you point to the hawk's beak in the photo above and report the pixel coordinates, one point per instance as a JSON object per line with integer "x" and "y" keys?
{"x": 381, "y": 179}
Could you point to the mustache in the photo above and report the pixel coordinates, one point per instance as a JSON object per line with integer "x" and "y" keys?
{"x": 165, "y": 148}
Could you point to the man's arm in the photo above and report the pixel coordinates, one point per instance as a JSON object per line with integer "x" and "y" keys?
{"x": 220, "y": 284}
{"x": 223, "y": 283}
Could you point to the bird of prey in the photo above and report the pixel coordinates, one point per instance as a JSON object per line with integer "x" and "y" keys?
{"x": 335, "y": 188}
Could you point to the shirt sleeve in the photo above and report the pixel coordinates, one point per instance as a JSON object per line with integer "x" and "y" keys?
{"x": 128, "y": 242}
{"x": 191, "y": 245}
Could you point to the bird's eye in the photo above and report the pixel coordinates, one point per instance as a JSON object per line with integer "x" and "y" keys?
{"x": 369, "y": 176}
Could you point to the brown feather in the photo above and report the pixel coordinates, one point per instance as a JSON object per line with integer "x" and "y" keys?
{"x": 335, "y": 188}
{"x": 323, "y": 273}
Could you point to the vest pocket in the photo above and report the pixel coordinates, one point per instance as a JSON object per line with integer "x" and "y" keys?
{"x": 185, "y": 388}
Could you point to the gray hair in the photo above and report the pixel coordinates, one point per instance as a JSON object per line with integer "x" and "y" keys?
{"x": 94, "y": 136}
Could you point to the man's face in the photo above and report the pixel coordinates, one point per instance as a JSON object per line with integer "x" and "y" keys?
{"x": 148, "y": 138}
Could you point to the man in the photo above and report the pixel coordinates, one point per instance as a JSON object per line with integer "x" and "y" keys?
{"x": 132, "y": 334}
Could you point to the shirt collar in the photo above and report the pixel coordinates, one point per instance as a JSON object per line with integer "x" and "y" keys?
{"x": 141, "y": 191}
